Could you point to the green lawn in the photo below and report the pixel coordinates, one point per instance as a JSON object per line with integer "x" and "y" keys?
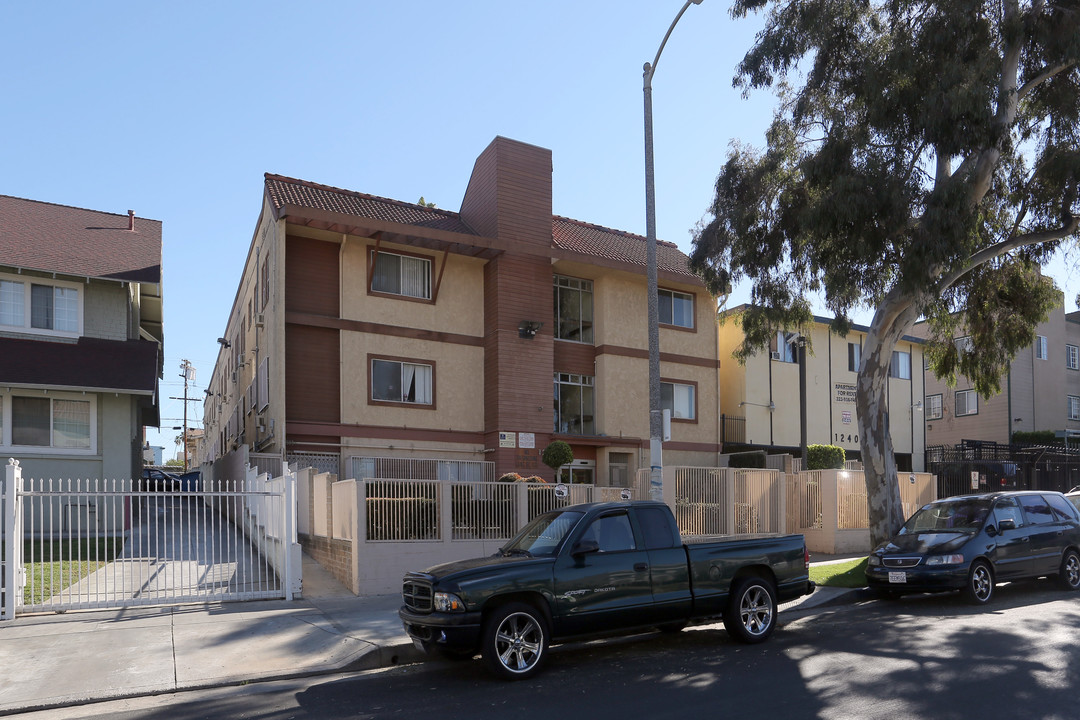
{"x": 52, "y": 565}
{"x": 848, "y": 574}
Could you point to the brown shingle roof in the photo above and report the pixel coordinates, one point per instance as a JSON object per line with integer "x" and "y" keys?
{"x": 301, "y": 193}
{"x": 604, "y": 242}
{"x": 73, "y": 241}
{"x": 118, "y": 365}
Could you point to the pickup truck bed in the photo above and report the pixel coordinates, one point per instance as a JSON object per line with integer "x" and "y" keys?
{"x": 599, "y": 569}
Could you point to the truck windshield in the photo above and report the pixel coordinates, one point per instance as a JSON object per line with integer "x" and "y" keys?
{"x": 543, "y": 535}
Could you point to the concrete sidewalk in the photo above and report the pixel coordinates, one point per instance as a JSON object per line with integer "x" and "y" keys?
{"x": 53, "y": 660}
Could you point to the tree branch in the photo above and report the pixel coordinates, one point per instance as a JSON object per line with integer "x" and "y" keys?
{"x": 1043, "y": 77}
{"x": 998, "y": 249}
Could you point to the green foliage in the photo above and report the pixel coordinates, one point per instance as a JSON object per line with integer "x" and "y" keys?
{"x": 557, "y": 454}
{"x": 824, "y": 457}
{"x": 752, "y": 459}
{"x": 174, "y": 463}
{"x": 1036, "y": 437}
{"x": 424, "y": 203}
{"x": 850, "y": 574}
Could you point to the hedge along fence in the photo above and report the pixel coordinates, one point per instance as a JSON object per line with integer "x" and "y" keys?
{"x": 824, "y": 457}
{"x": 755, "y": 460}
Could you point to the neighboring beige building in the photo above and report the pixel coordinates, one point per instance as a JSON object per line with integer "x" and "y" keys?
{"x": 1040, "y": 391}
{"x": 765, "y": 392}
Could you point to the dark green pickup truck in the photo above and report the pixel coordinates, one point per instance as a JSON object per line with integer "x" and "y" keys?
{"x": 596, "y": 569}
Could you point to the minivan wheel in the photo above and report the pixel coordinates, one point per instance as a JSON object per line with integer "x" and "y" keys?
{"x": 1068, "y": 576}
{"x": 980, "y": 583}
{"x": 514, "y": 643}
{"x": 750, "y": 616}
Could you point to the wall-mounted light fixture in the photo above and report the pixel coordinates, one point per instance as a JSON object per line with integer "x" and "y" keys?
{"x": 527, "y": 329}
{"x": 770, "y": 407}
{"x": 224, "y": 343}
{"x": 918, "y": 405}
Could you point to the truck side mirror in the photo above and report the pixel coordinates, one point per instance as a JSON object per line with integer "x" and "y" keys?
{"x": 585, "y": 547}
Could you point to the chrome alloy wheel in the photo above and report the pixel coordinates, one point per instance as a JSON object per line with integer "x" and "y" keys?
{"x": 519, "y": 642}
{"x": 755, "y": 610}
{"x": 982, "y": 583}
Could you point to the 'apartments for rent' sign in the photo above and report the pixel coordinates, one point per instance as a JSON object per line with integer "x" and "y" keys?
{"x": 844, "y": 392}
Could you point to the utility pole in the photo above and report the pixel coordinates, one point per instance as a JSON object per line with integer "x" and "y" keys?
{"x": 188, "y": 373}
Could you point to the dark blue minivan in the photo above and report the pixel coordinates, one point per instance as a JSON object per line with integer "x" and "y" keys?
{"x": 971, "y": 542}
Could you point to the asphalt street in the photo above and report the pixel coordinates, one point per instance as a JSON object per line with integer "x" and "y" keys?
{"x": 922, "y": 657}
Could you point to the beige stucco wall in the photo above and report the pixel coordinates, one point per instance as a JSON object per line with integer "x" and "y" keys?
{"x": 459, "y": 383}
{"x": 460, "y": 308}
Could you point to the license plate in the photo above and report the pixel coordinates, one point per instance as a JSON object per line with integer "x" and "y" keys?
{"x": 898, "y": 577}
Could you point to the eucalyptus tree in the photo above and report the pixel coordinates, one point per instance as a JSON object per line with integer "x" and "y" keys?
{"x": 923, "y": 161}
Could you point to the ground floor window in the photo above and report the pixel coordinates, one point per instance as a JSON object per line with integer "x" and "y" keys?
{"x": 574, "y": 400}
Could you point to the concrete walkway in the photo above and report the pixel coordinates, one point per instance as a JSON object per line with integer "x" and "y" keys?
{"x": 54, "y": 660}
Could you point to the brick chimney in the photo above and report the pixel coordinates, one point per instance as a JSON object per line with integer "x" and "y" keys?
{"x": 131, "y": 220}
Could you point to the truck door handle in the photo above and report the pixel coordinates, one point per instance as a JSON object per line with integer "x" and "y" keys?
{"x": 641, "y": 567}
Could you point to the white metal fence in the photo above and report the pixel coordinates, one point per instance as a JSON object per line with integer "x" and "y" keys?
{"x": 726, "y": 501}
{"x": 399, "y": 510}
{"x": 93, "y": 544}
{"x": 391, "y": 468}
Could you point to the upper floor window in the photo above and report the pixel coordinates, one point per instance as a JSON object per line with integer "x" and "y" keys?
{"x": 402, "y": 382}
{"x": 1074, "y": 407}
{"x": 574, "y": 404}
{"x": 933, "y": 407}
{"x": 402, "y": 275}
{"x": 900, "y": 367}
{"x": 967, "y": 403}
{"x": 1072, "y": 357}
{"x": 854, "y": 356}
{"x": 783, "y": 347}
{"x": 48, "y": 308}
{"x": 573, "y": 309}
{"x": 679, "y": 399}
{"x": 675, "y": 308}
{"x": 964, "y": 344}
{"x": 1042, "y": 351}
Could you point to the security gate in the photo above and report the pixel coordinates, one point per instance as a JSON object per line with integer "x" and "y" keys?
{"x": 89, "y": 544}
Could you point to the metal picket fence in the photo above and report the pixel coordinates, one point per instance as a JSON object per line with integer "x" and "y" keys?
{"x": 97, "y": 544}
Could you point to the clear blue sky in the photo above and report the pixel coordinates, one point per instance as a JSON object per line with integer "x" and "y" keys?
{"x": 176, "y": 111}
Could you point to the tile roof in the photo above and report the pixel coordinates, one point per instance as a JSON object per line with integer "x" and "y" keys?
{"x": 567, "y": 234}
{"x": 73, "y": 241}
{"x": 301, "y": 193}
{"x": 118, "y": 365}
{"x": 604, "y": 242}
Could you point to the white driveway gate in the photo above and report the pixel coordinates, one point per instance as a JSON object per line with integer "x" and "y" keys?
{"x": 90, "y": 544}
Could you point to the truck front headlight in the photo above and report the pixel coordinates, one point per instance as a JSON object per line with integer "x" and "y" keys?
{"x": 448, "y": 603}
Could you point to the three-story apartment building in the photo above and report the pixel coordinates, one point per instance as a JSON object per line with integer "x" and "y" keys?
{"x": 368, "y": 328}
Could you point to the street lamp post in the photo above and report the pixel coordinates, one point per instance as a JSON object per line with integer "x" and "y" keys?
{"x": 656, "y": 419}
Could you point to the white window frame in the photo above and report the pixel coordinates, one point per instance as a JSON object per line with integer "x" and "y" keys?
{"x": 689, "y": 391}
{"x": 27, "y": 282}
{"x": 896, "y": 363}
{"x": 7, "y": 425}
{"x": 854, "y": 356}
{"x": 1072, "y": 407}
{"x": 675, "y": 294}
{"x": 971, "y": 400}
{"x": 1042, "y": 348}
{"x": 424, "y": 293}
{"x": 403, "y": 367}
{"x": 585, "y": 325}
{"x": 934, "y": 407}
{"x": 964, "y": 344}
{"x": 1072, "y": 357}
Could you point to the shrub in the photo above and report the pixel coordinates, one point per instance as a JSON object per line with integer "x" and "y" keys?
{"x": 510, "y": 477}
{"x": 753, "y": 459}
{"x": 1036, "y": 437}
{"x": 557, "y": 454}
{"x": 824, "y": 457}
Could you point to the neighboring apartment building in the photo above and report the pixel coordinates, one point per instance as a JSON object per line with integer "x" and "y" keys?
{"x": 1040, "y": 390}
{"x": 764, "y": 393}
{"x": 370, "y": 328}
{"x": 80, "y": 338}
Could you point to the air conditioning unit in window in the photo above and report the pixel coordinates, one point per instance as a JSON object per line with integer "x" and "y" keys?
{"x": 260, "y": 320}
{"x": 775, "y": 354}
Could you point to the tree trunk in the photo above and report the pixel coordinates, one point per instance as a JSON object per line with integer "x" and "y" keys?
{"x": 894, "y": 317}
